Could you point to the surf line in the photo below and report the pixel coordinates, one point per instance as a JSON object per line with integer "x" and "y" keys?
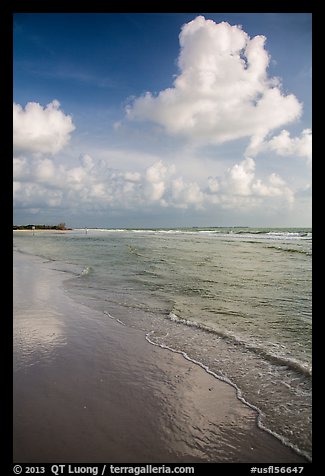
{"x": 115, "y": 318}
{"x": 239, "y": 395}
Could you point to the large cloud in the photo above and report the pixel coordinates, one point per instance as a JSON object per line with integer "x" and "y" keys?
{"x": 222, "y": 91}
{"x": 40, "y": 130}
{"x": 93, "y": 185}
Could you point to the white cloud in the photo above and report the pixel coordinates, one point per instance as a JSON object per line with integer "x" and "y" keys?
{"x": 40, "y": 130}
{"x": 87, "y": 161}
{"x": 285, "y": 145}
{"x": 222, "y": 92}
{"x": 93, "y": 185}
{"x": 155, "y": 180}
{"x": 33, "y": 195}
{"x": 44, "y": 170}
{"x": 240, "y": 188}
{"x": 20, "y": 167}
{"x": 186, "y": 194}
{"x": 132, "y": 176}
{"x": 240, "y": 177}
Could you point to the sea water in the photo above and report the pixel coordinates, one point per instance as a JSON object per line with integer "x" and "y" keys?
{"x": 237, "y": 301}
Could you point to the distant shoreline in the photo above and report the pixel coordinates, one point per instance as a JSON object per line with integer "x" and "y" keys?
{"x": 54, "y": 230}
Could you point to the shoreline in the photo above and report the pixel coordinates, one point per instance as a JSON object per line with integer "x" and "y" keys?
{"x": 40, "y": 230}
{"x": 89, "y": 389}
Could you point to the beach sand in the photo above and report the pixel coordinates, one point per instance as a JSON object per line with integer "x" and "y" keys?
{"x": 90, "y": 390}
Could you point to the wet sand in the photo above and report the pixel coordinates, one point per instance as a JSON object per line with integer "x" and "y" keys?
{"x": 89, "y": 390}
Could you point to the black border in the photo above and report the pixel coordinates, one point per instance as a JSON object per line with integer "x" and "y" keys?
{"x": 7, "y": 10}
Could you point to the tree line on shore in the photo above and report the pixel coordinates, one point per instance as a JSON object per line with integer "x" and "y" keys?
{"x": 60, "y": 226}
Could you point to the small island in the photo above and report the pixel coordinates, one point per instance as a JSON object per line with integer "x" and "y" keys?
{"x": 60, "y": 226}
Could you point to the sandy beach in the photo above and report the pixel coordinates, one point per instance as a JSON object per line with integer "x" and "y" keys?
{"x": 88, "y": 389}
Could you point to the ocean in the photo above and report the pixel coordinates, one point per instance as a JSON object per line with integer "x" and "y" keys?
{"x": 236, "y": 301}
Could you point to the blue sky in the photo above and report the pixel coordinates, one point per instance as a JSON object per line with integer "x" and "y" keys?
{"x": 162, "y": 119}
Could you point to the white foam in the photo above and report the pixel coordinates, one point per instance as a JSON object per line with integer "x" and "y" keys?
{"x": 278, "y": 359}
{"x": 239, "y": 395}
{"x": 87, "y": 270}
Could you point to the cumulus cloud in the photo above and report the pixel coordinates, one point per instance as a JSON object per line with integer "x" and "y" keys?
{"x": 156, "y": 177}
{"x": 186, "y": 194}
{"x": 40, "y": 130}
{"x": 222, "y": 92}
{"x": 239, "y": 187}
{"x": 285, "y": 145}
{"x": 93, "y": 185}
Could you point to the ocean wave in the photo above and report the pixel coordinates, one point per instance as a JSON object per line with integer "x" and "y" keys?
{"x": 239, "y": 395}
{"x": 86, "y": 271}
{"x": 233, "y": 231}
{"x": 114, "y": 318}
{"x": 277, "y": 359}
{"x": 290, "y": 250}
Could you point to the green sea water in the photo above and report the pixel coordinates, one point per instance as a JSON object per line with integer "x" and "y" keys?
{"x": 236, "y": 300}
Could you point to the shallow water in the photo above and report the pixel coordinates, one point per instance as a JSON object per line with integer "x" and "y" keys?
{"x": 238, "y": 301}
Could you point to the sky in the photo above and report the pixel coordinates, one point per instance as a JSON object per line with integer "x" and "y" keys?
{"x": 162, "y": 119}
